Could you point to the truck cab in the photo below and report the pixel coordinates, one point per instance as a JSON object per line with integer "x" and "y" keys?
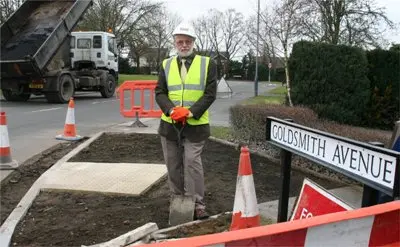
{"x": 42, "y": 55}
{"x": 97, "y": 47}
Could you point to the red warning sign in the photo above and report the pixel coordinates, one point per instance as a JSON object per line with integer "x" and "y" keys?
{"x": 314, "y": 200}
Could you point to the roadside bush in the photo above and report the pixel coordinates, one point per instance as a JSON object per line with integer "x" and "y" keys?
{"x": 384, "y": 74}
{"x": 331, "y": 80}
{"x": 278, "y": 75}
{"x": 248, "y": 123}
{"x": 353, "y": 132}
{"x": 262, "y": 72}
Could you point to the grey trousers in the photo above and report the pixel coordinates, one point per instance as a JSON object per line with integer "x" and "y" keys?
{"x": 185, "y": 169}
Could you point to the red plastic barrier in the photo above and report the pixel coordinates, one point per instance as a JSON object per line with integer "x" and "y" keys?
{"x": 138, "y": 110}
{"x": 370, "y": 226}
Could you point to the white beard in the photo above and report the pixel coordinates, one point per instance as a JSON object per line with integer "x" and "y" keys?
{"x": 185, "y": 54}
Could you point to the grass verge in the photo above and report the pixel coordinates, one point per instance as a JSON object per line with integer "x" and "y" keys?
{"x": 276, "y": 96}
{"x": 282, "y": 90}
{"x": 264, "y": 100}
{"x": 126, "y": 77}
{"x": 221, "y": 132}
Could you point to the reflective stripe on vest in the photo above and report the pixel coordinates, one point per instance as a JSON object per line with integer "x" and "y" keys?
{"x": 188, "y": 92}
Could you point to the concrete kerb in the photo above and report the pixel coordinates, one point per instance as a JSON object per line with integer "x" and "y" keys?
{"x": 8, "y": 227}
{"x": 160, "y": 235}
{"x": 129, "y": 237}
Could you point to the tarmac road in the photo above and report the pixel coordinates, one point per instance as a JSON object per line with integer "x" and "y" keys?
{"x": 33, "y": 125}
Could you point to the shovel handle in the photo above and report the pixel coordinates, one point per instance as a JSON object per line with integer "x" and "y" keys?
{"x": 179, "y": 132}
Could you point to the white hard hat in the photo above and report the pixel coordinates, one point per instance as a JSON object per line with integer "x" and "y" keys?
{"x": 184, "y": 29}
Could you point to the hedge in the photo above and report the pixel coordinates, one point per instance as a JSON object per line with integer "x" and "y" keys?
{"x": 384, "y": 75}
{"x": 330, "y": 79}
{"x": 248, "y": 123}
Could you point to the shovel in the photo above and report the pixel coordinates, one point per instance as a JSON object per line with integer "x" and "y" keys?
{"x": 181, "y": 208}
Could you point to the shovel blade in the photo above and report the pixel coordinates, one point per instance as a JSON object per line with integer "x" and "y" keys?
{"x": 181, "y": 210}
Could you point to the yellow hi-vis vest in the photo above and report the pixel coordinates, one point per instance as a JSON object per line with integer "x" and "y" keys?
{"x": 186, "y": 93}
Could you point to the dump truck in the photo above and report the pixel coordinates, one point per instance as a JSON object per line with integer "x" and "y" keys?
{"x": 43, "y": 54}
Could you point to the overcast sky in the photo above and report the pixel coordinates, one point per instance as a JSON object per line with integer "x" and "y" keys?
{"x": 190, "y": 9}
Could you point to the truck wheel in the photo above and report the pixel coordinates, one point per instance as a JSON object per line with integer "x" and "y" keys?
{"x": 10, "y": 96}
{"x": 108, "y": 89}
{"x": 65, "y": 92}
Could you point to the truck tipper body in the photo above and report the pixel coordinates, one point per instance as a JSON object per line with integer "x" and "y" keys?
{"x": 37, "y": 57}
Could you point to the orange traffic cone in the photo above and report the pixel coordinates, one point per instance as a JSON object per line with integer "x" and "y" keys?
{"x": 6, "y": 162}
{"x": 245, "y": 209}
{"x": 69, "y": 127}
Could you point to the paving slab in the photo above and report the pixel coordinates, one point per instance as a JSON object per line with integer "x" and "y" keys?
{"x": 115, "y": 178}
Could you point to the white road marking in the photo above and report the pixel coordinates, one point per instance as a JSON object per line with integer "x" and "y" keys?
{"x": 44, "y": 110}
{"x": 111, "y": 100}
{"x": 105, "y": 101}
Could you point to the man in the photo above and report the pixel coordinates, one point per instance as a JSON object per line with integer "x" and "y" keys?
{"x": 186, "y": 88}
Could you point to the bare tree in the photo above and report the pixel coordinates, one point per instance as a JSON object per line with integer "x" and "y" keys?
{"x": 122, "y": 16}
{"x": 162, "y": 24}
{"x": 203, "y": 42}
{"x": 352, "y": 22}
{"x": 284, "y": 23}
{"x": 268, "y": 43}
{"x": 232, "y": 32}
{"x": 7, "y": 8}
{"x": 138, "y": 44}
{"x": 214, "y": 27}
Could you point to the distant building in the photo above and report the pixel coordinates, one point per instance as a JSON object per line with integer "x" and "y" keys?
{"x": 149, "y": 58}
{"x": 277, "y": 62}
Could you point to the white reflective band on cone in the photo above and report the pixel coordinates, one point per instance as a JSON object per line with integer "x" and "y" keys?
{"x": 245, "y": 192}
{"x": 70, "y": 116}
{"x": 4, "y": 141}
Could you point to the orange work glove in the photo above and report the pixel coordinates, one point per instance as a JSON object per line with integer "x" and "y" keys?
{"x": 179, "y": 114}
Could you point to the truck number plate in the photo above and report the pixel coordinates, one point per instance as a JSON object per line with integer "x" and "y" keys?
{"x": 34, "y": 85}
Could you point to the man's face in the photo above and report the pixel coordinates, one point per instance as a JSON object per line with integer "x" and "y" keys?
{"x": 184, "y": 45}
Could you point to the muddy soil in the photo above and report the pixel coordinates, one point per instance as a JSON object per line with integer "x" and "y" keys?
{"x": 74, "y": 219}
{"x": 20, "y": 180}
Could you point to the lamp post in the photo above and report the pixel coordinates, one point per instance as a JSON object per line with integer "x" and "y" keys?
{"x": 258, "y": 27}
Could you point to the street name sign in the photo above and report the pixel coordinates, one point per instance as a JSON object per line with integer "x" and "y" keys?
{"x": 374, "y": 166}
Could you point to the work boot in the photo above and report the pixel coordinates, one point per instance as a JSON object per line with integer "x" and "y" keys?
{"x": 200, "y": 214}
